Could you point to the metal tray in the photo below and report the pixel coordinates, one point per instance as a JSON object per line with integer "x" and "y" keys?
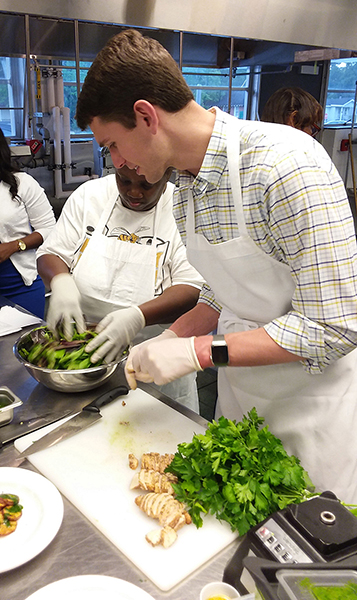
{"x": 8, "y": 401}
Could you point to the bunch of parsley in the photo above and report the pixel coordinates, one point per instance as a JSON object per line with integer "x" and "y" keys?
{"x": 238, "y": 472}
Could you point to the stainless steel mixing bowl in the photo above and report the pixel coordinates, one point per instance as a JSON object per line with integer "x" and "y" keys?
{"x": 79, "y": 380}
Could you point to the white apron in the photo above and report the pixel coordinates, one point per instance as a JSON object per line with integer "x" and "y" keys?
{"x": 315, "y": 416}
{"x": 111, "y": 275}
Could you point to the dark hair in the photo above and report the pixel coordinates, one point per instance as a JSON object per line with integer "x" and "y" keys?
{"x": 288, "y": 100}
{"x": 7, "y": 169}
{"x": 130, "y": 67}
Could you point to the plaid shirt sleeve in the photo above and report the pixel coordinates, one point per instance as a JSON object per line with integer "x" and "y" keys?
{"x": 207, "y": 297}
{"x": 310, "y": 219}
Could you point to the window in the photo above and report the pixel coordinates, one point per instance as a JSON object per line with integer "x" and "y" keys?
{"x": 70, "y": 87}
{"x": 211, "y": 88}
{"x": 341, "y": 92}
{"x": 12, "y": 79}
{"x": 13, "y": 96}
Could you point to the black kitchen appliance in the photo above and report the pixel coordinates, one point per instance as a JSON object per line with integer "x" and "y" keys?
{"x": 319, "y": 530}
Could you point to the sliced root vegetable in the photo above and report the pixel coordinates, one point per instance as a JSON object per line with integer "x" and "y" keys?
{"x": 153, "y": 481}
{"x": 163, "y": 507}
{"x": 155, "y": 461}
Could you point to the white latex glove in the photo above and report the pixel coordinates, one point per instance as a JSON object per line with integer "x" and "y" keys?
{"x": 116, "y": 331}
{"x": 64, "y": 305}
{"x": 167, "y": 333}
{"x": 161, "y": 361}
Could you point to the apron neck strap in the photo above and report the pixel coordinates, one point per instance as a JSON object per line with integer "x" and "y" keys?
{"x": 108, "y": 209}
{"x": 233, "y": 158}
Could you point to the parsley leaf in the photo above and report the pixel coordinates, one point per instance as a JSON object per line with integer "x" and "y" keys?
{"x": 239, "y": 472}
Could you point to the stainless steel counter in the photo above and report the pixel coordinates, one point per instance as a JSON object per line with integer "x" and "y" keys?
{"x": 79, "y": 548}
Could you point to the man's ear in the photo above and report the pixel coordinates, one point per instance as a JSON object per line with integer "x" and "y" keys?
{"x": 291, "y": 119}
{"x": 145, "y": 112}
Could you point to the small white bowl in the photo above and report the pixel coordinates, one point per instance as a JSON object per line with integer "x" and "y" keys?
{"x": 219, "y": 589}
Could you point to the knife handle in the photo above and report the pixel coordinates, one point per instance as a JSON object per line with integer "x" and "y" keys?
{"x": 107, "y": 397}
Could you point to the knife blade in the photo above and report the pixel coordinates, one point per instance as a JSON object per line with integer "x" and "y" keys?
{"x": 15, "y": 430}
{"x": 89, "y": 415}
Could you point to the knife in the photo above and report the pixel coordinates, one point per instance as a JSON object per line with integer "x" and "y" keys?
{"x": 12, "y": 431}
{"x": 89, "y": 415}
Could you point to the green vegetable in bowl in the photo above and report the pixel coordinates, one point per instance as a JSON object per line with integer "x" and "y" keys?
{"x": 44, "y": 350}
{"x": 238, "y": 472}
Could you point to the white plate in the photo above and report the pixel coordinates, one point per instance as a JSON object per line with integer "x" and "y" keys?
{"x": 91, "y": 587}
{"x": 41, "y": 518}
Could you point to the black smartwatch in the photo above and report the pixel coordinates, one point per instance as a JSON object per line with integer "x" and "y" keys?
{"x": 219, "y": 351}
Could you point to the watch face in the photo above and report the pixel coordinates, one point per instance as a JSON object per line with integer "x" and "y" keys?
{"x": 219, "y": 354}
{"x": 22, "y": 245}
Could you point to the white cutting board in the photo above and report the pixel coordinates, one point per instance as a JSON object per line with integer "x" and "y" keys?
{"x": 93, "y": 465}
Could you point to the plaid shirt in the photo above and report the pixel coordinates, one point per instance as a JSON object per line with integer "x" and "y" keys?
{"x": 296, "y": 210}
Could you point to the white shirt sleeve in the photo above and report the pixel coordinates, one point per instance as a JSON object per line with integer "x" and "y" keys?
{"x": 38, "y": 208}
{"x": 70, "y": 230}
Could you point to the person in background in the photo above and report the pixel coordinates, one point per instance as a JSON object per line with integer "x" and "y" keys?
{"x": 116, "y": 256}
{"x": 268, "y": 225}
{"x": 26, "y": 220}
{"x": 295, "y": 107}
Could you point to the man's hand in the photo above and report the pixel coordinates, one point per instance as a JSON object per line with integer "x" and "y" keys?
{"x": 129, "y": 374}
{"x": 161, "y": 361}
{"x": 64, "y": 306}
{"x": 115, "y": 333}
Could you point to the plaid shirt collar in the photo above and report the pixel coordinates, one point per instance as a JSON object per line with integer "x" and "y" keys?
{"x": 214, "y": 162}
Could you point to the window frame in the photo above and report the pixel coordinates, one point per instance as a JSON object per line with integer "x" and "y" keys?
{"x": 352, "y": 92}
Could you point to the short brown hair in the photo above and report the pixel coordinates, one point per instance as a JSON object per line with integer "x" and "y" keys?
{"x": 130, "y": 67}
{"x": 288, "y": 100}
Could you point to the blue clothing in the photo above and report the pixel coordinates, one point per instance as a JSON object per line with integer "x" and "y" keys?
{"x": 31, "y": 297}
